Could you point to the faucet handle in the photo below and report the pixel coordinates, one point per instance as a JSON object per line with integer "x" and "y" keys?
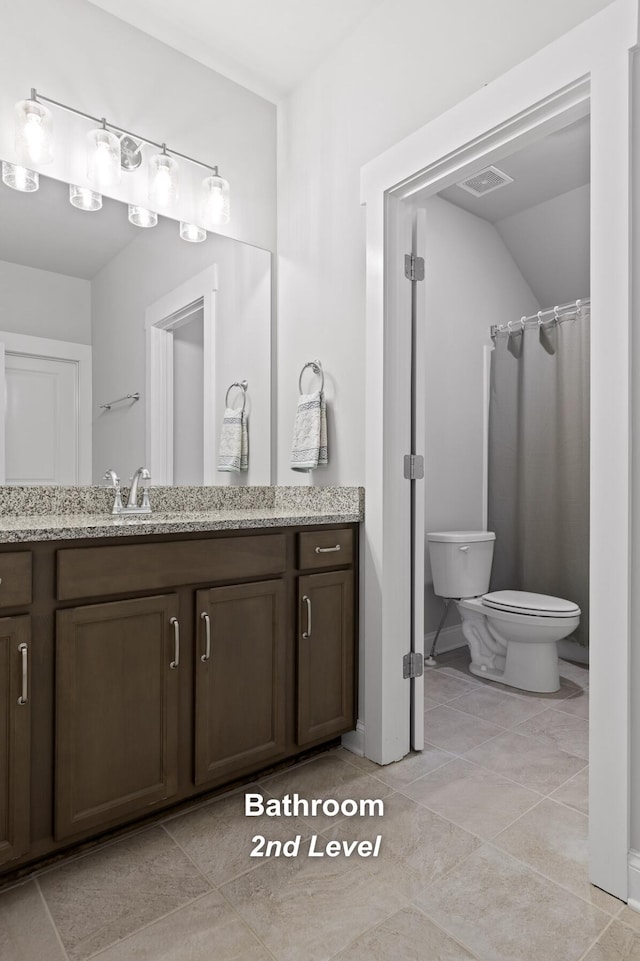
{"x": 111, "y": 475}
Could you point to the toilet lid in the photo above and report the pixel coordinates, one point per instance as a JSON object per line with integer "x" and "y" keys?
{"x": 523, "y": 602}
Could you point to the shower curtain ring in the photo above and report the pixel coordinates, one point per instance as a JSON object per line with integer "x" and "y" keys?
{"x": 523, "y": 321}
{"x": 509, "y": 327}
{"x": 556, "y": 313}
{"x": 539, "y": 318}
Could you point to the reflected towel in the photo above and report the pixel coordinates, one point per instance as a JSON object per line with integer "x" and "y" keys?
{"x": 309, "y": 448}
{"x": 233, "y": 455}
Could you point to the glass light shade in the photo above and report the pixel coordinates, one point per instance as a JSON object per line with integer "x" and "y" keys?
{"x": 163, "y": 180}
{"x": 215, "y": 208}
{"x": 103, "y": 158}
{"x": 141, "y": 217}
{"x": 192, "y": 233}
{"x": 34, "y": 133}
{"x": 84, "y": 198}
{"x": 19, "y": 178}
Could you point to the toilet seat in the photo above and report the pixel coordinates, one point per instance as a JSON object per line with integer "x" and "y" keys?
{"x": 525, "y": 602}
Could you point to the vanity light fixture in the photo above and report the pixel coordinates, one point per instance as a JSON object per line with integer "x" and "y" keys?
{"x": 110, "y": 150}
{"x": 163, "y": 179}
{"x": 20, "y": 178}
{"x": 103, "y": 157}
{"x": 192, "y": 233}
{"x": 84, "y": 198}
{"x": 33, "y": 132}
{"x": 215, "y": 200}
{"x": 141, "y": 217}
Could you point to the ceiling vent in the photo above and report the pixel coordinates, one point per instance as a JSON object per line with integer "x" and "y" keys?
{"x": 485, "y": 181}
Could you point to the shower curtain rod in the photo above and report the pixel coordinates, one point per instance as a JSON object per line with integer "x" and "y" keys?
{"x": 555, "y": 312}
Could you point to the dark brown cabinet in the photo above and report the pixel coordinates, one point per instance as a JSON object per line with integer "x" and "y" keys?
{"x": 240, "y": 668}
{"x": 15, "y": 742}
{"x": 116, "y": 711}
{"x": 326, "y": 678}
{"x": 141, "y": 671}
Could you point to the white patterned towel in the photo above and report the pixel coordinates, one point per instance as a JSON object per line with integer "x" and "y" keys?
{"x": 309, "y": 448}
{"x": 234, "y": 442}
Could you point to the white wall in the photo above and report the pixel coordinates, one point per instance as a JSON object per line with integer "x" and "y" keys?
{"x": 405, "y": 64}
{"x": 146, "y": 270}
{"x": 44, "y": 304}
{"x": 471, "y": 282}
{"x": 73, "y": 51}
{"x": 550, "y": 244}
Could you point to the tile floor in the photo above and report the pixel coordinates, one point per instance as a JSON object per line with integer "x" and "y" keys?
{"x": 483, "y": 857}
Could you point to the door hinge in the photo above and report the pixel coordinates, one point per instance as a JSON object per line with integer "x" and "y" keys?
{"x": 413, "y": 267}
{"x": 413, "y": 466}
{"x": 412, "y": 665}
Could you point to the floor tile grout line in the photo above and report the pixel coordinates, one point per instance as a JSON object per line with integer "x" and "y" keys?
{"x": 246, "y": 924}
{"x": 53, "y": 923}
{"x": 557, "y": 884}
{"x": 593, "y": 944}
{"x": 202, "y": 874}
{"x": 454, "y": 938}
{"x": 145, "y": 927}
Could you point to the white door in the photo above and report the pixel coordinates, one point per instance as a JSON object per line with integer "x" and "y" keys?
{"x": 418, "y": 434}
{"x": 41, "y": 420}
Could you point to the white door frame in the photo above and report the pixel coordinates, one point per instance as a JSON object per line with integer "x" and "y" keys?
{"x": 161, "y": 319}
{"x": 63, "y": 350}
{"x": 592, "y": 60}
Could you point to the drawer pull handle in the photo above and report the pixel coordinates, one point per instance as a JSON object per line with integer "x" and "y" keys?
{"x": 22, "y": 648}
{"x": 207, "y": 633}
{"x": 327, "y": 550}
{"x": 307, "y": 601}
{"x": 176, "y": 643}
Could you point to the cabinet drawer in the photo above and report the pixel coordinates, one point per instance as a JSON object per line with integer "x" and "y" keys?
{"x": 15, "y": 579}
{"x": 319, "y": 549}
{"x": 100, "y": 571}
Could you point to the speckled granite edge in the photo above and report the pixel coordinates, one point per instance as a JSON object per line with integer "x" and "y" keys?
{"x": 18, "y": 501}
{"x": 56, "y": 527}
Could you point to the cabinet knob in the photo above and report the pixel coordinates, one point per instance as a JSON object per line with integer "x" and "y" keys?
{"x": 176, "y": 643}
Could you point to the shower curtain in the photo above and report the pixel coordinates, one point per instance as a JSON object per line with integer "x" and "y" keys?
{"x": 539, "y": 460}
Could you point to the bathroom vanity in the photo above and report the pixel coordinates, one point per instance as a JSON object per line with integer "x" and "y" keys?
{"x": 148, "y": 663}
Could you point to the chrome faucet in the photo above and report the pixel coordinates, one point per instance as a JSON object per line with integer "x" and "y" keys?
{"x": 132, "y": 507}
{"x": 132, "y": 504}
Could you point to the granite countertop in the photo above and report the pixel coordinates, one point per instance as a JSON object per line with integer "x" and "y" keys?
{"x": 299, "y": 508}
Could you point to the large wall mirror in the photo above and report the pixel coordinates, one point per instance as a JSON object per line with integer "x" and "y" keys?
{"x": 118, "y": 345}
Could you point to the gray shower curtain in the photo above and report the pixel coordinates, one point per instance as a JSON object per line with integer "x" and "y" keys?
{"x": 539, "y": 461}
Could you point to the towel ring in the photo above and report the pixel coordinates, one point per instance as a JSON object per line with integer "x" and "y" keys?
{"x": 316, "y": 366}
{"x": 242, "y": 384}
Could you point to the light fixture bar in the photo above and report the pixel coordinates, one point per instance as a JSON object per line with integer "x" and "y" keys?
{"x": 101, "y": 121}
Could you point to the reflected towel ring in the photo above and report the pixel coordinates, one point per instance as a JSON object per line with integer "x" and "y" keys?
{"x": 242, "y": 384}
{"x": 316, "y": 367}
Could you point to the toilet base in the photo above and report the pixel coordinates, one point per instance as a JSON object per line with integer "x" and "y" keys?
{"x": 528, "y": 667}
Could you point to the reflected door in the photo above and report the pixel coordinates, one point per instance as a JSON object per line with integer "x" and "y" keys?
{"x": 41, "y": 424}
{"x": 45, "y": 411}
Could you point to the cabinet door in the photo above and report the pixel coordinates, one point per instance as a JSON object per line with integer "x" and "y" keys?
{"x": 15, "y": 736}
{"x": 326, "y": 644}
{"x": 240, "y": 678}
{"x": 116, "y": 710}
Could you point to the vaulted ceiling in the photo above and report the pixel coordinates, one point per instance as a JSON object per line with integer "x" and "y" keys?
{"x": 268, "y": 47}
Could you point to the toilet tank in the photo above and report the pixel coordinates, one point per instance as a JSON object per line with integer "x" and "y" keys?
{"x": 461, "y": 562}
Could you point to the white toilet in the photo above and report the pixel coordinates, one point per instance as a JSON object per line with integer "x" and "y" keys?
{"x": 511, "y": 634}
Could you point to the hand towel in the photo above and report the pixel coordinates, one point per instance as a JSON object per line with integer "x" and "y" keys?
{"x": 309, "y": 448}
{"x": 234, "y": 442}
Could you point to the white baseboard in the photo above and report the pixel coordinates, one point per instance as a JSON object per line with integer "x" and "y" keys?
{"x": 354, "y": 740}
{"x": 451, "y": 638}
{"x": 634, "y": 880}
